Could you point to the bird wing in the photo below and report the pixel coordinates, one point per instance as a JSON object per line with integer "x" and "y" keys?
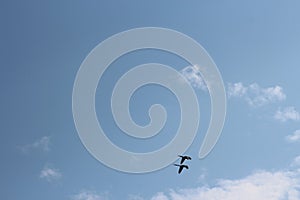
{"x": 180, "y": 169}
{"x": 182, "y": 160}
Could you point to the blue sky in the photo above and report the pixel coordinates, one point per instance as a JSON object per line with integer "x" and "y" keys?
{"x": 255, "y": 45}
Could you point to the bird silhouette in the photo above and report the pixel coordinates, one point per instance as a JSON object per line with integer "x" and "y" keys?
{"x": 181, "y": 167}
{"x": 183, "y": 158}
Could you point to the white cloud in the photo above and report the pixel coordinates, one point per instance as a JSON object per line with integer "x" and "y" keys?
{"x": 88, "y": 195}
{"x": 256, "y": 95}
{"x": 288, "y": 113}
{"x": 236, "y": 90}
{"x": 193, "y": 76}
{"x": 294, "y": 137}
{"x": 50, "y": 174}
{"x": 260, "y": 185}
{"x": 42, "y": 144}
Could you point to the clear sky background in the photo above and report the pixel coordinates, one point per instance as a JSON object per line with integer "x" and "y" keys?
{"x": 255, "y": 45}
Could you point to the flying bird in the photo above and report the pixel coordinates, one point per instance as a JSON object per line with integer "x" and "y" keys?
{"x": 181, "y": 167}
{"x": 183, "y": 158}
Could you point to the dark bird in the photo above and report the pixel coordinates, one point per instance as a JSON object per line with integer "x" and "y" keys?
{"x": 181, "y": 167}
{"x": 183, "y": 158}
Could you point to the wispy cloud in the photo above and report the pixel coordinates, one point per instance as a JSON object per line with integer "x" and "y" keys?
{"x": 42, "y": 144}
{"x": 88, "y": 195}
{"x": 254, "y": 94}
{"x": 50, "y": 174}
{"x": 260, "y": 185}
{"x": 193, "y": 76}
{"x": 288, "y": 113}
{"x": 295, "y": 137}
